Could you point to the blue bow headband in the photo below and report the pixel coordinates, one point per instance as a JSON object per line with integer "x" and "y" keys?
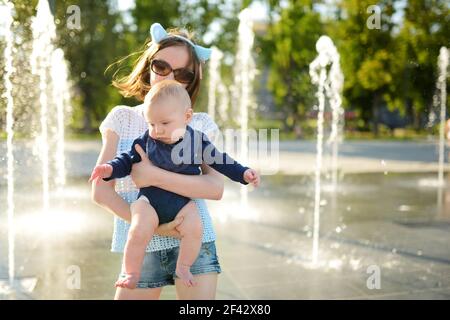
{"x": 158, "y": 33}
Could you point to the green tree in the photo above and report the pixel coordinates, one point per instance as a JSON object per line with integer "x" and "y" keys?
{"x": 195, "y": 15}
{"x": 366, "y": 54}
{"x": 102, "y": 40}
{"x": 147, "y": 12}
{"x": 425, "y": 29}
{"x": 288, "y": 48}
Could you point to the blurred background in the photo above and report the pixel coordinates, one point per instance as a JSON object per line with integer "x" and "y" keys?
{"x": 368, "y": 220}
{"x": 390, "y": 73}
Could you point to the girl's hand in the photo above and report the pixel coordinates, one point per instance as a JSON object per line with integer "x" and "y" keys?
{"x": 251, "y": 176}
{"x": 141, "y": 171}
{"x": 170, "y": 229}
{"x": 101, "y": 171}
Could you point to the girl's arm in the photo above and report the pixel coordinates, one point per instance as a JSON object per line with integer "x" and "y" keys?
{"x": 105, "y": 195}
{"x": 209, "y": 185}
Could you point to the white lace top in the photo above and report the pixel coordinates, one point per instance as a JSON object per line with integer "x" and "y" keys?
{"x": 129, "y": 123}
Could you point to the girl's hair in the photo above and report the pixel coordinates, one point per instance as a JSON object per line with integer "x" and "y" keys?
{"x": 137, "y": 83}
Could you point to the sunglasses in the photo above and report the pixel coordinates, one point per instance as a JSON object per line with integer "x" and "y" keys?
{"x": 162, "y": 68}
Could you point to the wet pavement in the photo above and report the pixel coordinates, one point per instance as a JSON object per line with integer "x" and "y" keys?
{"x": 383, "y": 235}
{"x": 293, "y": 158}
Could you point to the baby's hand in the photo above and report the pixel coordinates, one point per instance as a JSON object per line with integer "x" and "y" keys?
{"x": 101, "y": 171}
{"x": 251, "y": 176}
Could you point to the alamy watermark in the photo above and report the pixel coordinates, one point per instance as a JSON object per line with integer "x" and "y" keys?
{"x": 73, "y": 281}
{"x": 374, "y": 20}
{"x": 374, "y": 280}
{"x": 74, "y": 17}
{"x": 260, "y": 147}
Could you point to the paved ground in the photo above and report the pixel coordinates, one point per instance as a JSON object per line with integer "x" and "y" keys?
{"x": 299, "y": 157}
{"x": 395, "y": 248}
{"x": 258, "y": 262}
{"x": 271, "y": 267}
{"x": 294, "y": 157}
{"x": 364, "y": 156}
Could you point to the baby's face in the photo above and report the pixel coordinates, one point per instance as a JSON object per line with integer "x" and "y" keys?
{"x": 167, "y": 120}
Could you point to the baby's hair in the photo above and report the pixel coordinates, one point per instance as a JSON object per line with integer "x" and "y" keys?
{"x": 165, "y": 89}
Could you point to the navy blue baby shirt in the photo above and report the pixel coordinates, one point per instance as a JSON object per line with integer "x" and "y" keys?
{"x": 184, "y": 156}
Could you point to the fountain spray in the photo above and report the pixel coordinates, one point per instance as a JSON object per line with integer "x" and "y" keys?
{"x": 442, "y": 87}
{"x": 44, "y": 33}
{"x": 330, "y": 85}
{"x": 243, "y": 80}
{"x": 214, "y": 80}
{"x": 9, "y": 137}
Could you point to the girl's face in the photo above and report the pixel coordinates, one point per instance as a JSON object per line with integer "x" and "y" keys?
{"x": 176, "y": 56}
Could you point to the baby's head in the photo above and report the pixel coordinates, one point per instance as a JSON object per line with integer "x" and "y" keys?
{"x": 167, "y": 110}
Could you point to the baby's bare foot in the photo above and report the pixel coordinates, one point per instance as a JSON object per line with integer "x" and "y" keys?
{"x": 129, "y": 281}
{"x": 185, "y": 275}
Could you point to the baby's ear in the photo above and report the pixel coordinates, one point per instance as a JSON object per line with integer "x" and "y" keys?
{"x": 189, "y": 114}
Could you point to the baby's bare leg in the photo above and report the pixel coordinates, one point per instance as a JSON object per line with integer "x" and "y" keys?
{"x": 144, "y": 221}
{"x": 191, "y": 241}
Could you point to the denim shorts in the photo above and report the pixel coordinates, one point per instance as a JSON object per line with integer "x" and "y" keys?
{"x": 158, "y": 268}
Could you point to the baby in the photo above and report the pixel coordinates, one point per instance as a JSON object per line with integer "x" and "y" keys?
{"x": 171, "y": 145}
